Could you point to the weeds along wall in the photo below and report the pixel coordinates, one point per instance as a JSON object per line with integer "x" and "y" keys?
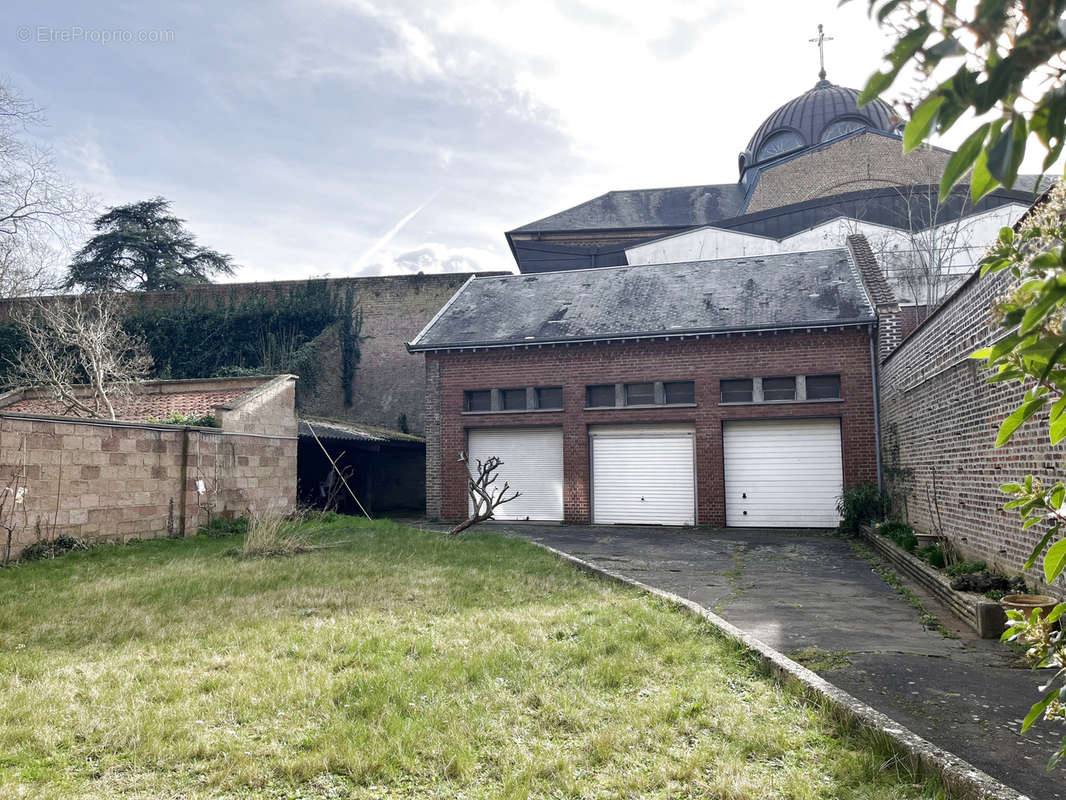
{"x": 939, "y": 418}
{"x": 345, "y": 338}
{"x": 99, "y": 480}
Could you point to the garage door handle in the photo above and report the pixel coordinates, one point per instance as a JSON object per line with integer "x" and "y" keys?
{"x": 642, "y": 499}
{"x": 745, "y": 495}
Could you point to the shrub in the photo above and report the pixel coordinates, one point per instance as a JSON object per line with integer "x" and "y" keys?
{"x": 859, "y": 504}
{"x": 42, "y": 548}
{"x": 270, "y": 534}
{"x": 988, "y": 582}
{"x": 964, "y": 568}
{"x": 932, "y": 554}
{"x": 901, "y": 533}
{"x": 220, "y": 527}
{"x": 177, "y": 418}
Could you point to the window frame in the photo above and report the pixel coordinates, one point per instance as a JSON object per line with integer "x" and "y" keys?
{"x": 795, "y": 389}
{"x": 469, "y": 393}
{"x": 588, "y": 395}
{"x": 840, "y": 390}
{"x": 537, "y": 398}
{"x": 626, "y": 390}
{"x": 722, "y": 389}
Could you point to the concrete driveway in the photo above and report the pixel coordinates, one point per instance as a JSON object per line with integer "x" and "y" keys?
{"x": 800, "y": 590}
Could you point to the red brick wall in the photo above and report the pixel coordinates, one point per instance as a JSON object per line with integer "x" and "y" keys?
{"x": 940, "y": 417}
{"x": 706, "y": 361}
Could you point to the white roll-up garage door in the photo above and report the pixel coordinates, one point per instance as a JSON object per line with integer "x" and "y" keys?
{"x": 782, "y": 473}
{"x": 532, "y": 464}
{"x": 643, "y": 475}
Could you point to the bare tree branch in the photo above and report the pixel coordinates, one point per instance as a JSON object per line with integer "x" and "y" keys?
{"x": 78, "y": 352}
{"x": 484, "y": 499}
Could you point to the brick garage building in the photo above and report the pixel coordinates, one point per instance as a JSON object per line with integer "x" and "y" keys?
{"x": 735, "y": 392}
{"x": 113, "y": 480}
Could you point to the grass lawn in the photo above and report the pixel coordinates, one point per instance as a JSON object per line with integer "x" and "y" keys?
{"x": 395, "y": 664}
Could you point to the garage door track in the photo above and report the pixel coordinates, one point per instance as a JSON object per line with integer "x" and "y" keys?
{"x": 812, "y": 596}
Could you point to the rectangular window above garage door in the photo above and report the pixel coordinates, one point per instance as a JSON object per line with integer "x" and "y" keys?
{"x": 512, "y": 399}
{"x": 480, "y": 400}
{"x": 677, "y": 393}
{"x": 601, "y": 396}
{"x": 823, "y": 387}
{"x": 737, "y": 391}
{"x": 549, "y": 397}
{"x": 778, "y": 389}
{"x": 640, "y": 394}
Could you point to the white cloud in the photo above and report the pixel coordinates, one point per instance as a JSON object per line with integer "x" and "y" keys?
{"x": 431, "y": 258}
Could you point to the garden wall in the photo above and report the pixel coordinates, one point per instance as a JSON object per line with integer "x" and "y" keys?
{"x": 103, "y": 480}
{"x": 939, "y": 418}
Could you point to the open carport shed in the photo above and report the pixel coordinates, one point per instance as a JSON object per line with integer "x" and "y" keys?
{"x": 388, "y": 467}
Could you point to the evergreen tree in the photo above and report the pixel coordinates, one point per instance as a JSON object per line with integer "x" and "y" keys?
{"x": 143, "y": 246}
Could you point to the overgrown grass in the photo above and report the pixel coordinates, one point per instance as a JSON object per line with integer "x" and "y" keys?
{"x": 396, "y": 664}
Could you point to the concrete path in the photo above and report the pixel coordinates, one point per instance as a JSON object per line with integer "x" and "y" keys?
{"x": 809, "y": 590}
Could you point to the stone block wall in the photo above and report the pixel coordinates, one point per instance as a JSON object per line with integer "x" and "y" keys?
{"x": 112, "y": 480}
{"x": 940, "y": 417}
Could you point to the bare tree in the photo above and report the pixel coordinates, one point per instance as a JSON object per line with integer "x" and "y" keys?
{"x": 41, "y": 214}
{"x": 78, "y": 352}
{"x": 485, "y": 498}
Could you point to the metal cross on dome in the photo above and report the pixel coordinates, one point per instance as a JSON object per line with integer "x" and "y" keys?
{"x": 821, "y": 39}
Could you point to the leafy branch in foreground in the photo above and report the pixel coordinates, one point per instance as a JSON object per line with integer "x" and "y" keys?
{"x": 1007, "y": 59}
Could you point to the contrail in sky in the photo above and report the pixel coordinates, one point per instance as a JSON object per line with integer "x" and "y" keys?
{"x": 388, "y": 237}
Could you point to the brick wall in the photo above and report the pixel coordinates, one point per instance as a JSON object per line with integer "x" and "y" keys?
{"x": 104, "y": 480}
{"x": 940, "y": 417}
{"x": 706, "y": 361}
{"x": 865, "y": 161}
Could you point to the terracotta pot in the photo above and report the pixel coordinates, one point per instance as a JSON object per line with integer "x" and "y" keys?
{"x": 1027, "y": 602}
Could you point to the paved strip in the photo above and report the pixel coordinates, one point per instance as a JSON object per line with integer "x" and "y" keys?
{"x": 789, "y": 591}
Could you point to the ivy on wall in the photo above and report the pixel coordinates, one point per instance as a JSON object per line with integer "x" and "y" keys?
{"x": 261, "y": 334}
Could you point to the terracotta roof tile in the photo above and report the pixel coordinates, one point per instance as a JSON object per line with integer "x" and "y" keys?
{"x": 144, "y": 406}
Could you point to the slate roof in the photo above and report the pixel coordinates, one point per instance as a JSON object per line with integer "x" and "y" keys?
{"x": 755, "y": 293}
{"x": 679, "y": 206}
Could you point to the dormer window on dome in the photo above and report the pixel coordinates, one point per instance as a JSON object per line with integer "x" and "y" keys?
{"x": 780, "y": 143}
{"x": 839, "y": 127}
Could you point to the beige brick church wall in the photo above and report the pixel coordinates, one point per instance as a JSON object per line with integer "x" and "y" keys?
{"x": 866, "y": 161}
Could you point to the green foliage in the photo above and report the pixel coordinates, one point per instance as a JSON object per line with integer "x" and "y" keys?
{"x": 220, "y": 527}
{"x": 964, "y": 568}
{"x": 143, "y": 246}
{"x": 194, "y": 420}
{"x": 993, "y": 47}
{"x": 932, "y": 554}
{"x": 858, "y": 505}
{"x": 985, "y": 581}
{"x": 51, "y": 548}
{"x": 901, "y": 533}
{"x": 258, "y": 335}
{"x": 351, "y": 323}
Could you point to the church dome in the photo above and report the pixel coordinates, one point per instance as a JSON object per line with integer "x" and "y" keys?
{"x": 818, "y": 115}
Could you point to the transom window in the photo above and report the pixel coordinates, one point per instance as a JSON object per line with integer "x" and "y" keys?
{"x": 778, "y": 389}
{"x": 679, "y": 392}
{"x": 601, "y": 396}
{"x": 479, "y": 400}
{"x": 823, "y": 387}
{"x": 737, "y": 391}
{"x": 549, "y": 397}
{"x": 640, "y": 394}
{"x": 518, "y": 398}
{"x": 512, "y": 399}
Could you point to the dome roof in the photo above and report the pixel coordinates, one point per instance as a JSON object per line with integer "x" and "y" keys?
{"x": 822, "y": 113}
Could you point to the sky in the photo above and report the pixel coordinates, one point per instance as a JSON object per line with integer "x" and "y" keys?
{"x": 368, "y": 137}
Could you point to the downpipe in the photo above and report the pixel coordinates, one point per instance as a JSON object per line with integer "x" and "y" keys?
{"x": 874, "y": 372}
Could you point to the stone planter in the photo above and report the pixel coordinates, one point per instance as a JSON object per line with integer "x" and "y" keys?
{"x": 985, "y": 616}
{"x": 1027, "y": 602}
